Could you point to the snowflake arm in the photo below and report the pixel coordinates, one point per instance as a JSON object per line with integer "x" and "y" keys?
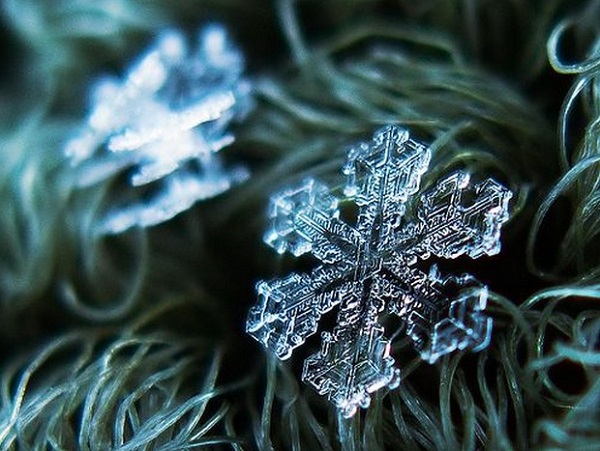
{"x": 465, "y": 327}
{"x": 443, "y": 315}
{"x": 363, "y": 366}
{"x": 458, "y": 217}
{"x": 381, "y": 175}
{"x": 306, "y": 220}
{"x": 179, "y": 192}
{"x": 288, "y": 309}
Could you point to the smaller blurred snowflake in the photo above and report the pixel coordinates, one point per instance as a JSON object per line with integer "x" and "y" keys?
{"x": 164, "y": 123}
{"x": 371, "y": 267}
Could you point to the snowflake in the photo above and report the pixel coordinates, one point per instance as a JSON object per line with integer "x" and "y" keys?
{"x": 371, "y": 267}
{"x": 164, "y": 123}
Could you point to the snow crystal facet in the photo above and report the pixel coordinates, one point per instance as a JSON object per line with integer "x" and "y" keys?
{"x": 164, "y": 123}
{"x": 371, "y": 267}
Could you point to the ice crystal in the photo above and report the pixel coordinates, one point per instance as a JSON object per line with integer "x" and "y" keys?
{"x": 163, "y": 123}
{"x": 371, "y": 268}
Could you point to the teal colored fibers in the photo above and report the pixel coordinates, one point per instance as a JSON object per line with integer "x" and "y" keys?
{"x": 136, "y": 342}
{"x": 102, "y": 389}
{"x": 579, "y": 251}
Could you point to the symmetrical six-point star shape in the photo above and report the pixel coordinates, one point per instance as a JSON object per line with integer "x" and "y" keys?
{"x": 370, "y": 267}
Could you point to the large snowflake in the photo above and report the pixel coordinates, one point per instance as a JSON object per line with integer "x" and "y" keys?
{"x": 371, "y": 267}
{"x": 164, "y": 123}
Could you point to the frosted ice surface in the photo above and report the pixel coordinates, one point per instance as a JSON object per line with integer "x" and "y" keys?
{"x": 164, "y": 123}
{"x": 370, "y": 267}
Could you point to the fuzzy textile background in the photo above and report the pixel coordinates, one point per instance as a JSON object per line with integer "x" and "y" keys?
{"x": 136, "y": 341}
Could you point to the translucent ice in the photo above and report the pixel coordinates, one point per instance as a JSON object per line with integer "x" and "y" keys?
{"x": 370, "y": 267}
